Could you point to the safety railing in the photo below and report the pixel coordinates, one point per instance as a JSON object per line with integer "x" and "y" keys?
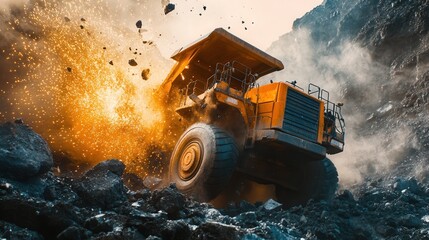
{"x": 194, "y": 87}
{"x": 237, "y": 76}
{"x": 332, "y": 110}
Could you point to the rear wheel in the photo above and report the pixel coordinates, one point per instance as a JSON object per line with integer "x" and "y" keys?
{"x": 316, "y": 180}
{"x": 203, "y": 161}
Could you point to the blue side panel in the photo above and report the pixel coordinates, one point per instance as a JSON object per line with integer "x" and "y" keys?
{"x": 301, "y": 116}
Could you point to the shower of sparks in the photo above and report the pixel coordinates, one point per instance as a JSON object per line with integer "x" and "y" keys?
{"x": 62, "y": 84}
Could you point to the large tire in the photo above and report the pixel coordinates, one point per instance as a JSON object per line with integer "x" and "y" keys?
{"x": 203, "y": 161}
{"x": 318, "y": 180}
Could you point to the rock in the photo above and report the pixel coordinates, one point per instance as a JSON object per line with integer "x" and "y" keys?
{"x": 169, "y": 200}
{"x": 19, "y": 121}
{"x": 147, "y": 223}
{"x": 214, "y": 230}
{"x": 11, "y": 231}
{"x": 361, "y": 229}
{"x": 410, "y": 221}
{"x": 58, "y": 190}
{"x": 132, "y": 62}
{"x": 99, "y": 223}
{"x": 128, "y": 234}
{"x": 54, "y": 219}
{"x": 246, "y": 219}
{"x": 385, "y": 231}
{"x": 146, "y": 74}
{"x": 46, "y": 218}
{"x": 271, "y": 205}
{"x": 324, "y": 214}
{"x": 74, "y": 233}
{"x": 23, "y": 153}
{"x": 409, "y": 184}
{"x": 346, "y": 196}
{"x": 6, "y": 186}
{"x": 102, "y": 185}
{"x": 246, "y": 206}
{"x": 133, "y": 182}
{"x": 20, "y": 212}
{"x": 144, "y": 194}
{"x": 169, "y": 8}
{"x": 153, "y": 238}
{"x": 175, "y": 230}
{"x": 113, "y": 165}
{"x": 139, "y": 24}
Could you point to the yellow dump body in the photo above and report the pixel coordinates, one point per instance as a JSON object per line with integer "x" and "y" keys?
{"x": 198, "y": 60}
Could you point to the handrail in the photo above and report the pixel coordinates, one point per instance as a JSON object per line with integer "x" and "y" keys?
{"x": 237, "y": 75}
{"x": 330, "y": 107}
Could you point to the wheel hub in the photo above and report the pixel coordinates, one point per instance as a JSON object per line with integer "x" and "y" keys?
{"x": 190, "y": 160}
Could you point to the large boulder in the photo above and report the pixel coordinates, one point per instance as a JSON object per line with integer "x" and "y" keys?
{"x": 102, "y": 186}
{"x": 169, "y": 200}
{"x": 24, "y": 154}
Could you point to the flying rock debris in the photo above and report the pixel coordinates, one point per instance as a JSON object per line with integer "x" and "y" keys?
{"x": 169, "y": 8}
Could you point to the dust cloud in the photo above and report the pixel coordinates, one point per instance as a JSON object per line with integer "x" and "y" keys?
{"x": 372, "y": 147}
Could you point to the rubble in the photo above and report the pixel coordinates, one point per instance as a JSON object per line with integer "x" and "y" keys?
{"x": 168, "y": 214}
{"x": 102, "y": 186}
{"x": 271, "y": 205}
{"x": 146, "y": 73}
{"x": 99, "y": 206}
{"x": 132, "y": 62}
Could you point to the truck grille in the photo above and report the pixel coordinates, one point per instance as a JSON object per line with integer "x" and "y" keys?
{"x": 301, "y": 117}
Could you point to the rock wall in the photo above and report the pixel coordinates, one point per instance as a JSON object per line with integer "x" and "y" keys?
{"x": 373, "y": 56}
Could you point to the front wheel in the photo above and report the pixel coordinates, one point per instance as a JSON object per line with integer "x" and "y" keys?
{"x": 203, "y": 161}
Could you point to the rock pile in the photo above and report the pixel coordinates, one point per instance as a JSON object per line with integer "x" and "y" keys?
{"x": 99, "y": 206}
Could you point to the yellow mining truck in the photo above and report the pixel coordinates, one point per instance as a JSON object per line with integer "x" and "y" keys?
{"x": 274, "y": 134}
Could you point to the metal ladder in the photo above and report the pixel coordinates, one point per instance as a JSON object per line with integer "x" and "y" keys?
{"x": 251, "y": 135}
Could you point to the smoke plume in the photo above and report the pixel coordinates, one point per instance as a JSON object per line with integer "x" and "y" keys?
{"x": 374, "y": 146}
